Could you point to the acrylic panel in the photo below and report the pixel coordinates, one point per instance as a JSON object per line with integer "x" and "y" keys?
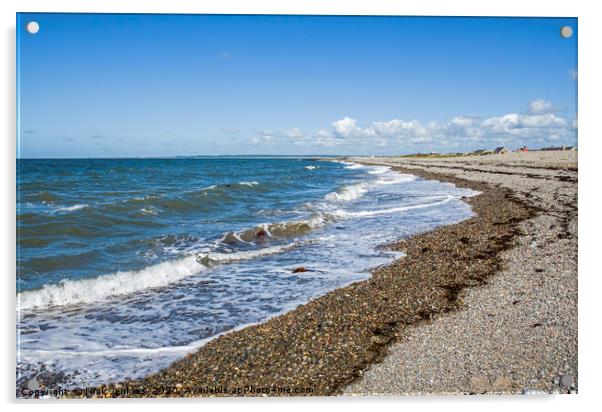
{"x": 286, "y": 205}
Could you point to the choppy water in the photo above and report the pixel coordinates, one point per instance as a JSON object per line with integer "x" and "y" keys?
{"x": 125, "y": 265}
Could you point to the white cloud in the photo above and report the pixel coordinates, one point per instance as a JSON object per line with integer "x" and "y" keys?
{"x": 541, "y": 106}
{"x": 345, "y": 127}
{"x": 514, "y": 121}
{"x": 539, "y": 124}
{"x": 464, "y": 121}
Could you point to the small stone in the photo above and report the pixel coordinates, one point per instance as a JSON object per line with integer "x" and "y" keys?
{"x": 33, "y": 384}
{"x": 566, "y": 380}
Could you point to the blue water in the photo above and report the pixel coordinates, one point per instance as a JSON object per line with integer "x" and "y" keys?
{"x": 125, "y": 265}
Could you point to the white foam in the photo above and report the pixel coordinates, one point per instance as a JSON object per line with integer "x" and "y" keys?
{"x": 253, "y": 183}
{"x": 354, "y": 166}
{"x": 141, "y": 198}
{"x": 379, "y": 170}
{"x": 70, "y": 208}
{"x": 69, "y": 292}
{"x": 149, "y": 211}
{"x": 236, "y": 236}
{"x": 371, "y": 213}
{"x": 347, "y": 193}
{"x": 310, "y": 167}
{"x": 395, "y": 178}
{"x": 216, "y": 257}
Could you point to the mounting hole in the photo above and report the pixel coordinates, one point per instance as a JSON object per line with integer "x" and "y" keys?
{"x": 566, "y": 32}
{"x": 33, "y": 27}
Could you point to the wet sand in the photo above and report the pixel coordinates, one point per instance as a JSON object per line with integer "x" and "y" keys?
{"x": 428, "y": 323}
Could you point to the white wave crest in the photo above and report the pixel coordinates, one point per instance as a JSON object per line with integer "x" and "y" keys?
{"x": 372, "y": 213}
{"x": 120, "y": 283}
{"x": 379, "y": 170}
{"x": 67, "y": 209}
{"x": 395, "y": 178}
{"x": 253, "y": 183}
{"x": 347, "y": 193}
{"x": 216, "y": 257}
{"x": 310, "y": 167}
{"x": 149, "y": 211}
{"x": 69, "y": 292}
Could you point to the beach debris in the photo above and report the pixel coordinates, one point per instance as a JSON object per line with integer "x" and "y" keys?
{"x": 300, "y": 269}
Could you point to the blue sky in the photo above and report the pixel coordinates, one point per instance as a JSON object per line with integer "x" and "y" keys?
{"x": 94, "y": 85}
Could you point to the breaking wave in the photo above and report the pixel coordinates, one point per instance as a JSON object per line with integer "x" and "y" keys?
{"x": 70, "y": 292}
{"x": 347, "y": 193}
{"x": 253, "y": 183}
{"x": 212, "y": 258}
{"x": 120, "y": 283}
{"x": 269, "y": 230}
{"x": 377, "y": 212}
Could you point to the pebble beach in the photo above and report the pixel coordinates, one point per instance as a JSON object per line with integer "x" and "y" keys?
{"x": 487, "y": 305}
{"x": 517, "y": 332}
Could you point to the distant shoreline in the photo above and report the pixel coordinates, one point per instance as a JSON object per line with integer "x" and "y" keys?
{"x": 282, "y": 156}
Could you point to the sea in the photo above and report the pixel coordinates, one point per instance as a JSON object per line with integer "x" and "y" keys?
{"x": 126, "y": 265}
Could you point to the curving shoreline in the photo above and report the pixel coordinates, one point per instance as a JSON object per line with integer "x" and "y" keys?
{"x": 326, "y": 344}
{"x": 518, "y": 332}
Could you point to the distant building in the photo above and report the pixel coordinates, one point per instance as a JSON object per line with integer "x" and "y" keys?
{"x": 482, "y": 152}
{"x": 523, "y": 149}
{"x": 500, "y": 150}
